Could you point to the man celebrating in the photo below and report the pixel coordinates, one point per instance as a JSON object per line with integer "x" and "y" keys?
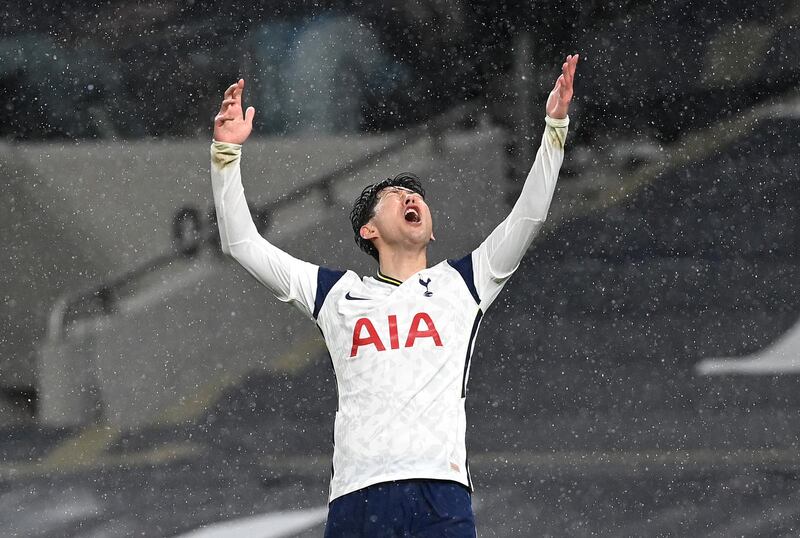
{"x": 400, "y": 341}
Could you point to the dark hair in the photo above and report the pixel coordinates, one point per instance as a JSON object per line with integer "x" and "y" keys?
{"x": 364, "y": 205}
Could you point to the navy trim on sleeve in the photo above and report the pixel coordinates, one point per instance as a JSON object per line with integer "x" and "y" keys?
{"x": 464, "y": 268}
{"x": 468, "y": 359}
{"x": 326, "y": 279}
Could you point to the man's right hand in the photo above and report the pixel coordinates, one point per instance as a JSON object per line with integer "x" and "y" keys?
{"x": 230, "y": 125}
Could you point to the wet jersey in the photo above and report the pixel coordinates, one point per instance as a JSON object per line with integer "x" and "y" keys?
{"x": 400, "y": 350}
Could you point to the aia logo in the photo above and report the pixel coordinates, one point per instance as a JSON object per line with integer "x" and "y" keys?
{"x": 365, "y": 334}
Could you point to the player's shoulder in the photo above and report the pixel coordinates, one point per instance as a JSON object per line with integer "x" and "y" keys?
{"x": 448, "y": 262}
{"x": 329, "y": 284}
{"x": 463, "y": 268}
{"x": 337, "y": 274}
{"x": 461, "y": 265}
{"x": 454, "y": 269}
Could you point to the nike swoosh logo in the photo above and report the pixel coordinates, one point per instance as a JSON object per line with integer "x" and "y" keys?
{"x": 350, "y": 297}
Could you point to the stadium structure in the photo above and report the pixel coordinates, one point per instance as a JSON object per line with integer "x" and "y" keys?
{"x": 637, "y": 377}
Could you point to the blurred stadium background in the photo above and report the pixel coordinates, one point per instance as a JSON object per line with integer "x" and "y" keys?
{"x": 637, "y": 377}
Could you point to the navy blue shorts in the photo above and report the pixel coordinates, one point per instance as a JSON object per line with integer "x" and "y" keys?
{"x": 405, "y": 508}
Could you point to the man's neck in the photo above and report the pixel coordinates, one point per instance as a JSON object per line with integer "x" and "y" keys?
{"x": 401, "y": 265}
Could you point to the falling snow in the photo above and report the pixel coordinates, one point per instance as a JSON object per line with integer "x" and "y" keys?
{"x": 636, "y": 376}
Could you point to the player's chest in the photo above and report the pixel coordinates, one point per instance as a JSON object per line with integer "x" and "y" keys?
{"x": 424, "y": 314}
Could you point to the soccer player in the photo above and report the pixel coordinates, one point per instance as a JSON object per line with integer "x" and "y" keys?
{"x": 400, "y": 340}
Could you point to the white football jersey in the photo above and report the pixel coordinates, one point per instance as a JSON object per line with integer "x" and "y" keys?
{"x": 400, "y": 350}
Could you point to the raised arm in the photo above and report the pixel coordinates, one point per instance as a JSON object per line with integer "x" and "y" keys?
{"x": 500, "y": 254}
{"x": 290, "y": 280}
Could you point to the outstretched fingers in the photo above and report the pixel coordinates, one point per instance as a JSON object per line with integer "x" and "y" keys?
{"x": 559, "y": 99}
{"x": 565, "y": 80}
{"x": 234, "y": 91}
{"x": 558, "y": 85}
{"x": 229, "y": 91}
{"x": 231, "y": 106}
{"x": 225, "y": 114}
{"x": 568, "y": 69}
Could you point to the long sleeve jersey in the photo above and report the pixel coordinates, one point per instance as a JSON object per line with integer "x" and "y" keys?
{"x": 401, "y": 351}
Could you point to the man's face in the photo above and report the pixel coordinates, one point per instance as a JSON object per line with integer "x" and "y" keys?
{"x": 402, "y": 217}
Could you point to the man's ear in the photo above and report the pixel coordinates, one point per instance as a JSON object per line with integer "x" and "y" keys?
{"x": 368, "y": 231}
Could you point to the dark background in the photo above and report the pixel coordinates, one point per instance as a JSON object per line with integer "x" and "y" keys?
{"x": 587, "y": 417}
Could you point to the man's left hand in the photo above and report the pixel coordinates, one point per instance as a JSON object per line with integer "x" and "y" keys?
{"x": 558, "y": 103}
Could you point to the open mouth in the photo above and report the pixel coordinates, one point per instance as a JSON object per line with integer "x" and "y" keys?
{"x": 411, "y": 215}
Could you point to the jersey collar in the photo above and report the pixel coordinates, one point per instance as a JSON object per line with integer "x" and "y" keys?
{"x": 387, "y": 279}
